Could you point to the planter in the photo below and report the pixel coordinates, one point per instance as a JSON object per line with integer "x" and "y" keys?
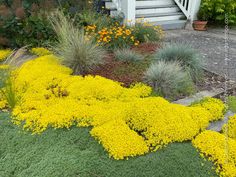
{"x": 200, "y": 25}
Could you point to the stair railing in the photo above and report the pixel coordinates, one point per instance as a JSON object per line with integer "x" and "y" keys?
{"x": 189, "y": 8}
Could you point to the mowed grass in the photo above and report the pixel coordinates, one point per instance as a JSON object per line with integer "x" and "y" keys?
{"x": 74, "y": 153}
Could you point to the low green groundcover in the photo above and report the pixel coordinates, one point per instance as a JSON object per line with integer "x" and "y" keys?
{"x": 74, "y": 153}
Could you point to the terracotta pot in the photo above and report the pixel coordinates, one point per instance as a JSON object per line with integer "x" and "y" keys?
{"x": 200, "y": 25}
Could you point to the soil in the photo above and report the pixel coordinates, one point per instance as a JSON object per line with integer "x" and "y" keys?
{"x": 127, "y": 73}
{"x": 124, "y": 72}
{"x": 213, "y": 81}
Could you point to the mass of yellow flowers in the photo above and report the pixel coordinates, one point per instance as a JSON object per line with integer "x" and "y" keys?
{"x": 126, "y": 121}
{"x": 214, "y": 106}
{"x": 220, "y": 149}
{"x": 4, "y": 54}
{"x": 40, "y": 51}
{"x": 230, "y": 127}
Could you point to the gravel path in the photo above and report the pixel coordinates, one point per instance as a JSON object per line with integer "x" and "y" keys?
{"x": 211, "y": 44}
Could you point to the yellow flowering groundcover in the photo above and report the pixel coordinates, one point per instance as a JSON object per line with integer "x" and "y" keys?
{"x": 126, "y": 121}
{"x": 220, "y": 149}
{"x": 4, "y": 54}
{"x": 214, "y": 106}
{"x": 230, "y": 127}
{"x": 40, "y": 51}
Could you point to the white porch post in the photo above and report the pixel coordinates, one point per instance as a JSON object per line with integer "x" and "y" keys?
{"x": 195, "y": 5}
{"x": 128, "y": 8}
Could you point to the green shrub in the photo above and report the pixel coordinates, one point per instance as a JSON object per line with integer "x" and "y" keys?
{"x": 77, "y": 52}
{"x": 32, "y": 30}
{"x": 168, "y": 79}
{"x": 147, "y": 33}
{"x": 29, "y": 25}
{"x": 127, "y": 55}
{"x": 231, "y": 102}
{"x": 216, "y": 10}
{"x": 100, "y": 20}
{"x": 188, "y": 58}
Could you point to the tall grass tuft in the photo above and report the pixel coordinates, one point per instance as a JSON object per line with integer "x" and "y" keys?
{"x": 168, "y": 79}
{"x": 77, "y": 51}
{"x": 188, "y": 58}
{"x": 127, "y": 55}
{"x": 7, "y": 88}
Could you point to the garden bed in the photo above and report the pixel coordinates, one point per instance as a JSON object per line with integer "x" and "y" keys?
{"x": 129, "y": 73}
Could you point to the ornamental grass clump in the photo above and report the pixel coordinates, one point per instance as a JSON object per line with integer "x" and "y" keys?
{"x": 77, "y": 51}
{"x": 8, "y": 98}
{"x": 188, "y": 58}
{"x": 168, "y": 79}
{"x": 127, "y": 55}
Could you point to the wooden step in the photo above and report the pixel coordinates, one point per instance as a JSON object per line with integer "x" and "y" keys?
{"x": 158, "y": 14}
{"x": 159, "y": 9}
{"x": 151, "y": 4}
{"x": 171, "y": 24}
{"x": 166, "y": 17}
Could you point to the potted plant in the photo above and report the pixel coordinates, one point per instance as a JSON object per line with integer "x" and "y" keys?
{"x": 203, "y": 16}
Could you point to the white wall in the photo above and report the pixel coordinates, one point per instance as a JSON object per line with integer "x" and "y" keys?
{"x": 128, "y": 8}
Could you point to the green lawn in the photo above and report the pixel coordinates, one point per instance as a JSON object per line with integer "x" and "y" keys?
{"x": 74, "y": 153}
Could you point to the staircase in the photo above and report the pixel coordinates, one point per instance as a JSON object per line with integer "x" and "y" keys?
{"x": 157, "y": 12}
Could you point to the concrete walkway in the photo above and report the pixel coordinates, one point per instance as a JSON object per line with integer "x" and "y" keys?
{"x": 211, "y": 45}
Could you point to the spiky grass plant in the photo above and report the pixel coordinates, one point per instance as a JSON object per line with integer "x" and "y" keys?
{"x": 168, "y": 79}
{"x": 188, "y": 58}
{"x": 7, "y": 88}
{"x": 127, "y": 55}
{"x": 77, "y": 51}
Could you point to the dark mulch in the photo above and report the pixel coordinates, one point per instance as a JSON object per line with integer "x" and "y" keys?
{"x": 127, "y": 72}
{"x": 124, "y": 72}
{"x": 147, "y": 48}
{"x": 213, "y": 81}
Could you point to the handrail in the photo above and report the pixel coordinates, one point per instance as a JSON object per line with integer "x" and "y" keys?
{"x": 185, "y": 6}
{"x": 189, "y": 7}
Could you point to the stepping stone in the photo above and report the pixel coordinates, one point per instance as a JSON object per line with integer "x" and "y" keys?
{"x": 198, "y": 96}
{"x": 218, "y": 125}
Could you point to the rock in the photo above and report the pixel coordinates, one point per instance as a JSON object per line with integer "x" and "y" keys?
{"x": 218, "y": 125}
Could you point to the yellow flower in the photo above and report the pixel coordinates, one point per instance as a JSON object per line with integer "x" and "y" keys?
{"x": 40, "y": 51}
{"x": 127, "y": 32}
{"x": 230, "y": 127}
{"x": 136, "y": 43}
{"x": 219, "y": 149}
{"x": 4, "y": 54}
{"x": 132, "y": 38}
